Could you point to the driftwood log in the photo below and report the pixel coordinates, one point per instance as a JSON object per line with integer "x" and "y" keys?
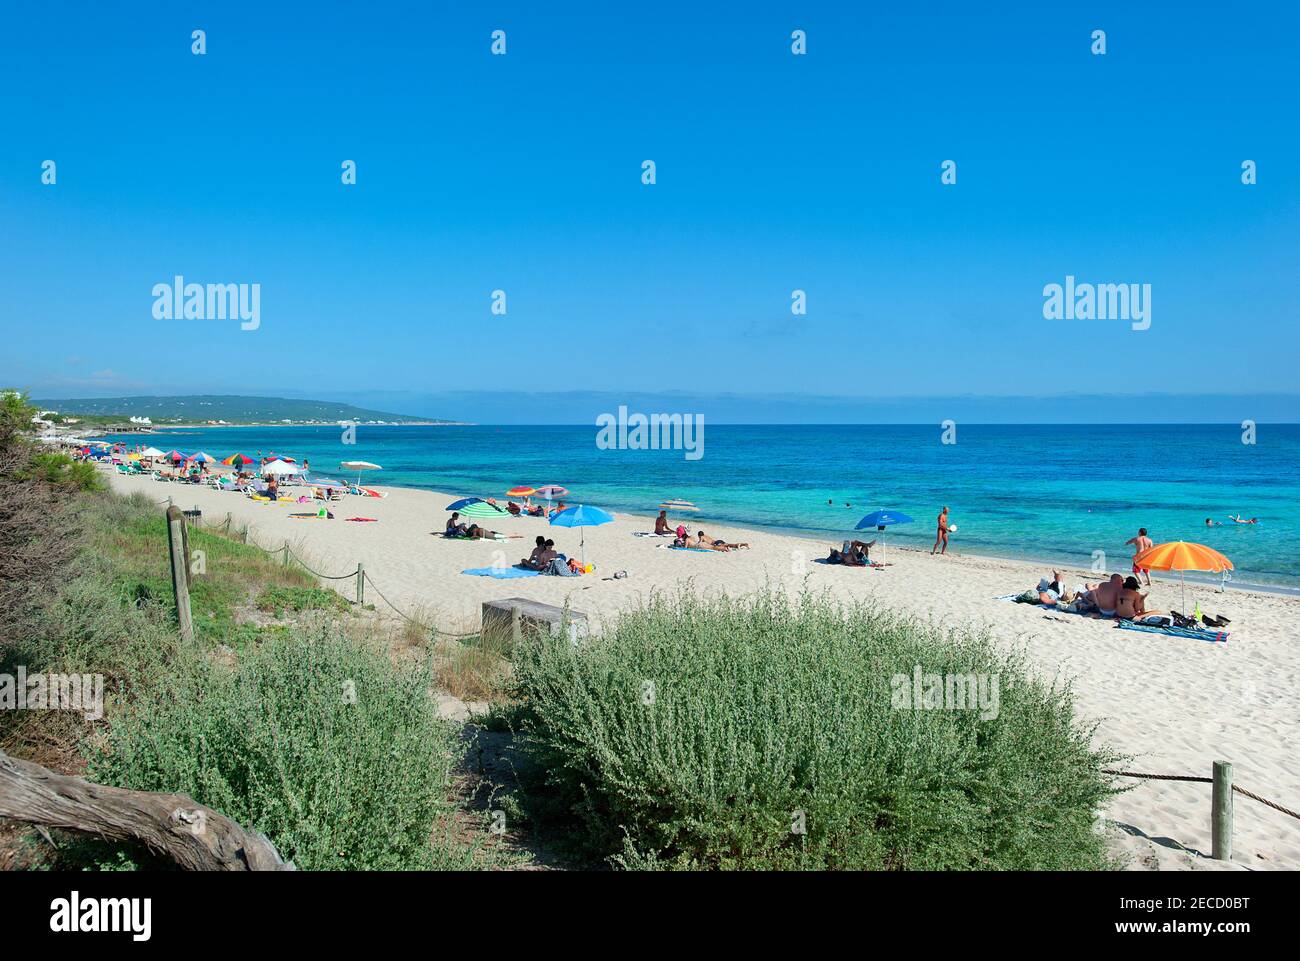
{"x": 197, "y": 838}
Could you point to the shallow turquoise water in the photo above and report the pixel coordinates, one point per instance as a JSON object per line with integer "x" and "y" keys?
{"x": 1029, "y": 492}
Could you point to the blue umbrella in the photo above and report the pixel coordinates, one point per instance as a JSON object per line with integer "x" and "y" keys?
{"x": 882, "y": 518}
{"x": 463, "y": 502}
{"x": 581, "y": 516}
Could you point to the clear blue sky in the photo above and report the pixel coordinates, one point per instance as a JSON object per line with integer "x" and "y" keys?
{"x": 775, "y": 172}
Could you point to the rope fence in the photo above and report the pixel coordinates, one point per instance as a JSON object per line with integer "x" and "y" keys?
{"x": 1223, "y": 788}
{"x": 360, "y": 575}
{"x": 1220, "y": 802}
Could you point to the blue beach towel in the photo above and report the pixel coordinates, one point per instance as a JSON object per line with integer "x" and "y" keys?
{"x": 501, "y": 573}
{"x": 697, "y": 550}
{"x": 1211, "y": 636}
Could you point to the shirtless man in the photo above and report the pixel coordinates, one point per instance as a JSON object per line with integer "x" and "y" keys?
{"x": 704, "y": 542}
{"x": 661, "y": 524}
{"x": 1106, "y": 595}
{"x": 1140, "y": 544}
{"x": 1241, "y": 520}
{"x": 942, "y": 536}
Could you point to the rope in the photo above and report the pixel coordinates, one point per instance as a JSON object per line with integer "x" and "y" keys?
{"x": 325, "y": 577}
{"x": 411, "y": 619}
{"x": 1205, "y": 780}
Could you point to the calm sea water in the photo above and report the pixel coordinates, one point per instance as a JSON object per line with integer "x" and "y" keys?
{"x": 1037, "y": 492}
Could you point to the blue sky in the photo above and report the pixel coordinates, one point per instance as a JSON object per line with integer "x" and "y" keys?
{"x": 775, "y": 172}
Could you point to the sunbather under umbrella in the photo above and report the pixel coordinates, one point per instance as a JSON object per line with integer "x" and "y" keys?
{"x": 581, "y": 516}
{"x": 1182, "y": 556}
{"x": 881, "y": 519}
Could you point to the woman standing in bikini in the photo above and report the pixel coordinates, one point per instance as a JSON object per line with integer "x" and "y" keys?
{"x": 942, "y": 536}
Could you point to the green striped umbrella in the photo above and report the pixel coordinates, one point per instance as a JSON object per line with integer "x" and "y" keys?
{"x": 482, "y": 509}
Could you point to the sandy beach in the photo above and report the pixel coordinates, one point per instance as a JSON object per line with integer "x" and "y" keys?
{"x": 1173, "y": 704}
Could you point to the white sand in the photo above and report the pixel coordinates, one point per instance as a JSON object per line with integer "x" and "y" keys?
{"x": 1174, "y": 704}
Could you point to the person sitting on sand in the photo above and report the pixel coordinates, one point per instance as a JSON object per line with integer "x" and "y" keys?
{"x": 1131, "y": 601}
{"x": 454, "y": 529}
{"x": 512, "y": 508}
{"x": 533, "y": 560}
{"x": 1106, "y": 595}
{"x": 559, "y": 506}
{"x": 661, "y": 524}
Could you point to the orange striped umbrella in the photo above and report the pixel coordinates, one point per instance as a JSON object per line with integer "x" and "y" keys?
{"x": 521, "y": 491}
{"x": 1182, "y": 556}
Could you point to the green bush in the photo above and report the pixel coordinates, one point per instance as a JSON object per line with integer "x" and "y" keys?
{"x": 703, "y": 733}
{"x": 336, "y": 781}
{"x": 277, "y": 599}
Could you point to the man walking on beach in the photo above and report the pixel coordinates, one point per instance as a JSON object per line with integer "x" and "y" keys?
{"x": 942, "y": 536}
{"x": 1140, "y": 544}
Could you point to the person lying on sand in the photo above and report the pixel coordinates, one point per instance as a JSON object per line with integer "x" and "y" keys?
{"x": 719, "y": 544}
{"x": 852, "y": 554}
{"x": 481, "y": 533}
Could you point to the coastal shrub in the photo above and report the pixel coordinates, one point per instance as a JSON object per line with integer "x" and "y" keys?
{"x": 334, "y": 753}
{"x": 767, "y": 733}
{"x": 277, "y": 599}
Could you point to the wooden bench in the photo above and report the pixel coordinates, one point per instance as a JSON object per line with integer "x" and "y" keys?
{"x": 509, "y": 619}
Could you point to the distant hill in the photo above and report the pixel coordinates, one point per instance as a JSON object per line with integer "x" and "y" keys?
{"x": 227, "y": 408}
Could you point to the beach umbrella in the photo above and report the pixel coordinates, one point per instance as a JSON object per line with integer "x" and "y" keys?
{"x": 284, "y": 457}
{"x": 202, "y": 458}
{"x": 237, "y": 460}
{"x": 521, "y": 491}
{"x": 481, "y": 508}
{"x": 463, "y": 502}
{"x": 881, "y": 519}
{"x": 280, "y": 468}
{"x": 151, "y": 452}
{"x": 174, "y": 455}
{"x": 678, "y": 505}
{"x": 1182, "y": 556}
{"x": 359, "y": 466}
{"x": 551, "y": 491}
{"x": 324, "y": 481}
{"x": 581, "y": 516}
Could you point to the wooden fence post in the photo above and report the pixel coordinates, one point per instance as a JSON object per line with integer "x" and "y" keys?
{"x": 361, "y": 584}
{"x": 1221, "y": 816}
{"x": 286, "y": 553}
{"x": 178, "y": 546}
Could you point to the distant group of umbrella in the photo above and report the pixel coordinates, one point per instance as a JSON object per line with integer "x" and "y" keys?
{"x": 581, "y": 515}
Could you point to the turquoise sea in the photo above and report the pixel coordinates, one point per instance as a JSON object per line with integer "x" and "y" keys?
{"x": 1033, "y": 492}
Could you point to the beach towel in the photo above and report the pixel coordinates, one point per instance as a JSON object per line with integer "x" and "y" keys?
{"x": 559, "y": 567}
{"x": 825, "y": 560}
{"x": 649, "y": 534}
{"x": 1220, "y": 637}
{"x": 501, "y": 573}
{"x": 364, "y": 519}
{"x": 697, "y": 550}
